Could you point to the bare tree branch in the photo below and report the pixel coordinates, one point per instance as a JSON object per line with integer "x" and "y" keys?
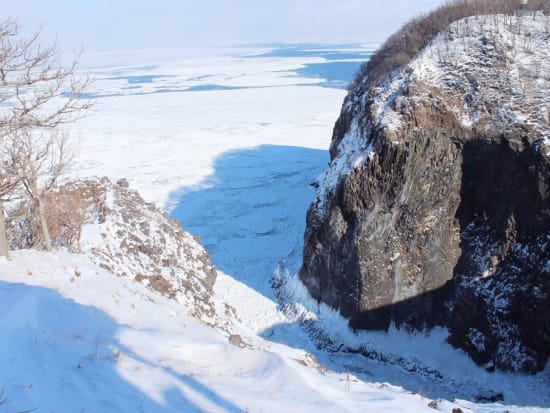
{"x": 38, "y": 97}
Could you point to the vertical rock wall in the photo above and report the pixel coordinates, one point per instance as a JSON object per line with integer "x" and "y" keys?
{"x": 435, "y": 208}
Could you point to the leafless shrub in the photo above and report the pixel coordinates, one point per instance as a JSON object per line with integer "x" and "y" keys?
{"x": 512, "y": 52}
{"x": 519, "y": 24}
{"x": 538, "y": 6}
{"x": 537, "y": 69}
{"x": 529, "y": 44}
{"x": 65, "y": 211}
{"x": 39, "y": 159}
{"x": 523, "y": 87}
{"x": 547, "y": 23}
{"x": 4, "y": 400}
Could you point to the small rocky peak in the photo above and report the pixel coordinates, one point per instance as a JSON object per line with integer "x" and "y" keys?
{"x": 120, "y": 232}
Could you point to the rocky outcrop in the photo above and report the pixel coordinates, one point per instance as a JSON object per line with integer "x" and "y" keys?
{"x": 120, "y": 232}
{"x": 435, "y": 208}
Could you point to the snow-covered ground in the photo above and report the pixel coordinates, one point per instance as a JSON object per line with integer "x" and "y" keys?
{"x": 77, "y": 339}
{"x": 227, "y": 141}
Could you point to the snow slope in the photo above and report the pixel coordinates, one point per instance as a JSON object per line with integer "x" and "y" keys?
{"x": 232, "y": 158}
{"x": 97, "y": 343}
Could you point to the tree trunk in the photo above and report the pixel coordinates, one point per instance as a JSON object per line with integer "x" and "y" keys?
{"x": 44, "y": 225}
{"x": 4, "y": 246}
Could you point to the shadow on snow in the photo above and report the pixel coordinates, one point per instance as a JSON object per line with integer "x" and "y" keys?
{"x": 57, "y": 354}
{"x": 250, "y": 214}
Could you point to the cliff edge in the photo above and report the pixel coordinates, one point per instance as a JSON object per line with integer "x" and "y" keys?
{"x": 435, "y": 209}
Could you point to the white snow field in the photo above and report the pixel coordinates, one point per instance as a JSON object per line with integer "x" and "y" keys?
{"x": 98, "y": 343}
{"x": 228, "y": 142}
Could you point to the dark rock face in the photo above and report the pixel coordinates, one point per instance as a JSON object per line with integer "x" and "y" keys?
{"x": 382, "y": 241}
{"x": 441, "y": 223}
{"x": 504, "y": 317}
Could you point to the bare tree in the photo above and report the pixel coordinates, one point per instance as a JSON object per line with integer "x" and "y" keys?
{"x": 537, "y": 6}
{"x": 38, "y": 96}
{"x": 8, "y": 183}
{"x": 39, "y": 158}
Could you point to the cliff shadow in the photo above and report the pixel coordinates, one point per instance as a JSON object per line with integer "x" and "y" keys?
{"x": 57, "y": 354}
{"x": 250, "y": 213}
{"x": 330, "y": 346}
{"x": 502, "y": 275}
{"x": 422, "y": 361}
{"x": 504, "y": 192}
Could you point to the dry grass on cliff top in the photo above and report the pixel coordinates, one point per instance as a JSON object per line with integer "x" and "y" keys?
{"x": 404, "y": 45}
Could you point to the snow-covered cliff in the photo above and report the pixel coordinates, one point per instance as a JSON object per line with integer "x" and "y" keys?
{"x": 435, "y": 208}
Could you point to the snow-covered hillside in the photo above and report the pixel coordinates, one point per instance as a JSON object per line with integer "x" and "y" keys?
{"x": 229, "y": 144}
{"x": 484, "y": 67}
{"x": 76, "y": 338}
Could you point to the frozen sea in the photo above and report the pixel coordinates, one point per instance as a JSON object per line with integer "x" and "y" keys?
{"x": 227, "y": 141}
